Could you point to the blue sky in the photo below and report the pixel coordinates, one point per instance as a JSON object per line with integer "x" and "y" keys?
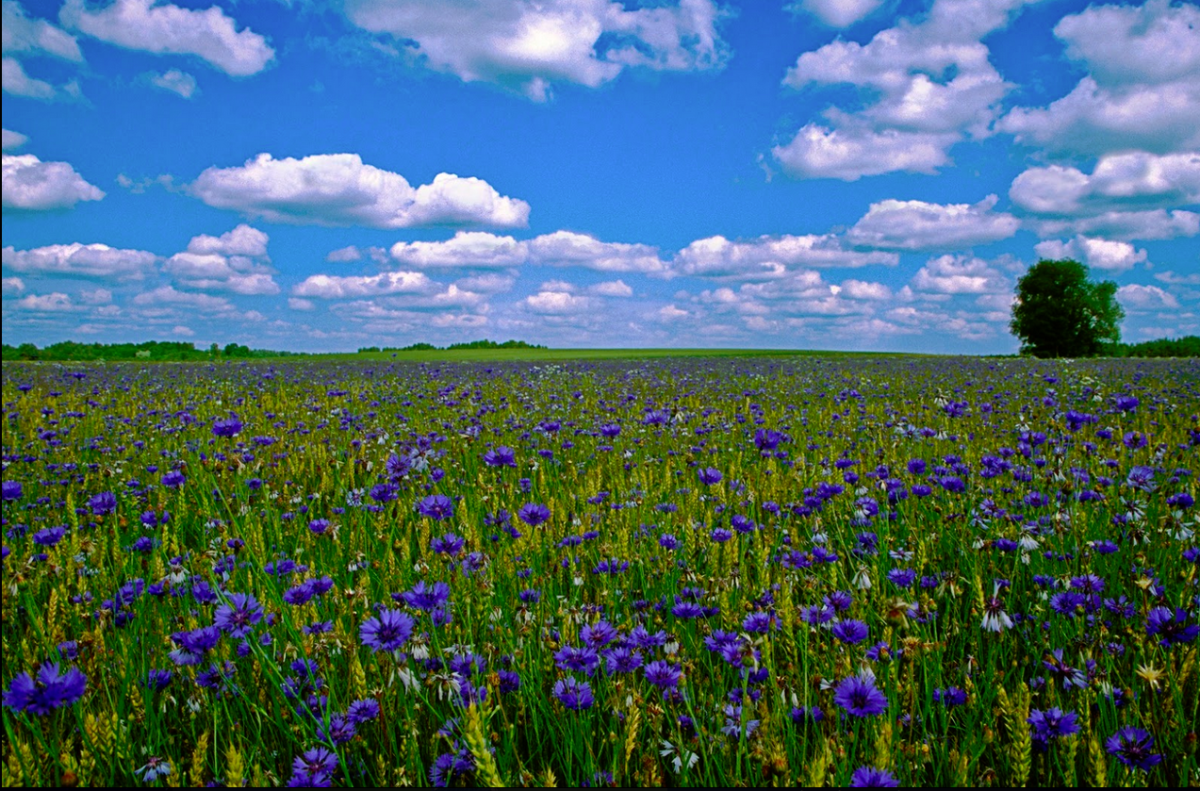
{"x": 835, "y": 174}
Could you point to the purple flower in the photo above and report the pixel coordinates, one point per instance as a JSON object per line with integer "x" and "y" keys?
{"x": 47, "y": 692}
{"x": 449, "y": 544}
{"x": 194, "y": 645}
{"x": 314, "y": 767}
{"x": 158, "y": 680}
{"x": 668, "y": 541}
{"x": 720, "y": 535}
{"x": 509, "y": 682}
{"x": 174, "y": 479}
{"x": 436, "y": 506}
{"x": 870, "y": 777}
{"x": 852, "y": 632}
{"x": 570, "y": 658}
{"x": 1133, "y": 747}
{"x": 709, "y": 476}
{"x": 757, "y": 622}
{"x": 533, "y": 514}
{"x": 574, "y": 695}
{"x": 318, "y": 526}
{"x": 388, "y": 632}
{"x": 950, "y": 697}
{"x": 903, "y": 578}
{"x": 426, "y": 597}
{"x": 1052, "y": 723}
{"x": 240, "y": 612}
{"x": 49, "y": 536}
{"x": 1171, "y": 627}
{"x": 859, "y": 697}
{"x": 11, "y": 490}
{"x": 227, "y": 427}
{"x": 102, "y": 503}
{"x": 500, "y": 456}
{"x": 663, "y": 674}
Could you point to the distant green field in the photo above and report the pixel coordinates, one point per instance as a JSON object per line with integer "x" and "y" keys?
{"x": 551, "y": 355}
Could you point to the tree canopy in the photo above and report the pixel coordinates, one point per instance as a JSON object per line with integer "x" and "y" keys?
{"x": 1060, "y": 312}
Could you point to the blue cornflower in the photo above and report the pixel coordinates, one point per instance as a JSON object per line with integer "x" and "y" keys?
{"x": 1133, "y": 747}
{"x": 575, "y": 695}
{"x": 46, "y": 691}
{"x": 852, "y": 632}
{"x": 387, "y": 632}
{"x": 859, "y": 696}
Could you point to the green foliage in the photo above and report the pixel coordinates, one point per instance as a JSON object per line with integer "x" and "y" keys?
{"x": 1187, "y": 346}
{"x": 1060, "y": 312}
{"x": 166, "y": 351}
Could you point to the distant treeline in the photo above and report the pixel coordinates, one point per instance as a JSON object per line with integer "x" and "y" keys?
{"x": 421, "y": 347}
{"x": 1187, "y": 346}
{"x": 175, "y": 351}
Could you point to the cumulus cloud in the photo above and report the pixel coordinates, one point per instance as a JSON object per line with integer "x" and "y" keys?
{"x": 465, "y": 250}
{"x": 297, "y": 303}
{"x": 856, "y": 151}
{"x": 861, "y": 289}
{"x": 527, "y": 47}
{"x": 339, "y": 190}
{"x": 56, "y": 302}
{"x": 33, "y": 185}
{"x": 927, "y": 85}
{"x": 838, "y": 13}
{"x": 611, "y": 288}
{"x": 1139, "y": 298}
{"x": 1171, "y": 278}
{"x": 770, "y": 256}
{"x": 35, "y": 36}
{"x": 166, "y": 29}
{"x": 1143, "y": 86}
{"x": 14, "y": 80}
{"x": 236, "y": 261}
{"x": 80, "y": 260}
{"x": 565, "y": 248}
{"x": 959, "y": 274}
{"x": 13, "y": 140}
{"x": 13, "y": 286}
{"x": 168, "y": 296}
{"x": 334, "y": 287}
{"x": 1100, "y": 253}
{"x": 558, "y": 303}
{"x": 917, "y": 225}
{"x": 489, "y": 283}
{"x": 1127, "y": 194}
{"x": 175, "y": 81}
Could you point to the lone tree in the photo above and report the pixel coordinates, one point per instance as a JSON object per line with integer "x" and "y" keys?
{"x": 1059, "y": 312}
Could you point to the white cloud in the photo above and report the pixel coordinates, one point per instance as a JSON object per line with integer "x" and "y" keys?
{"x": 175, "y": 81}
{"x": 487, "y": 283}
{"x": 1100, "y": 253}
{"x": 672, "y": 313}
{"x": 344, "y": 255}
{"x": 1120, "y": 195}
{"x": 612, "y": 288}
{"x": 959, "y": 274}
{"x": 926, "y": 85}
{"x": 1127, "y": 225}
{"x": 98, "y": 296}
{"x": 917, "y": 225}
{"x": 338, "y": 189}
{"x": 14, "y": 80}
{"x": 558, "y": 303}
{"x": 1142, "y": 90}
{"x": 770, "y": 256}
{"x": 80, "y": 260}
{"x": 838, "y": 13}
{"x": 465, "y": 250}
{"x": 236, "y": 262}
{"x": 13, "y": 140}
{"x": 35, "y": 36}
{"x": 13, "y": 286}
{"x": 565, "y": 248}
{"x": 527, "y": 47}
{"x": 242, "y": 240}
{"x": 162, "y": 28}
{"x": 56, "y": 302}
{"x": 859, "y": 289}
{"x": 1170, "y": 278}
{"x": 296, "y": 303}
{"x": 1136, "y": 297}
{"x": 332, "y": 287}
{"x": 182, "y": 331}
{"x": 33, "y": 185}
{"x": 170, "y": 297}
{"x": 851, "y": 153}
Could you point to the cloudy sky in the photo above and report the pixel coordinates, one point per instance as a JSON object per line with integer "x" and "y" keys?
{"x": 837, "y": 174}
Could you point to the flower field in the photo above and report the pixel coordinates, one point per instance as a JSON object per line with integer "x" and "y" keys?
{"x": 672, "y": 572}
